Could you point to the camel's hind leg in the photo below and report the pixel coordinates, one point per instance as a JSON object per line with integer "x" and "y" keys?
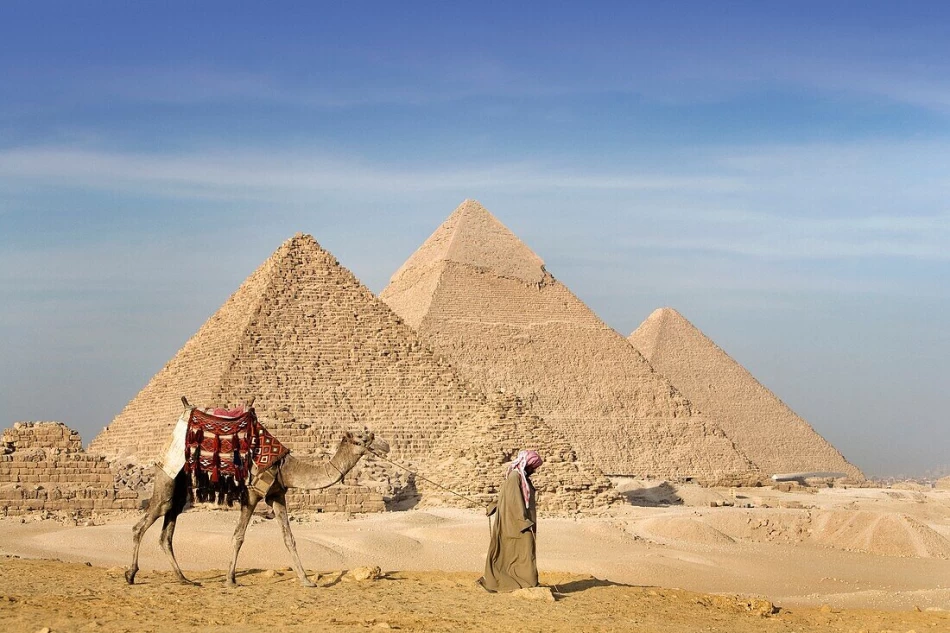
{"x": 247, "y": 510}
{"x": 161, "y": 503}
{"x": 280, "y": 509}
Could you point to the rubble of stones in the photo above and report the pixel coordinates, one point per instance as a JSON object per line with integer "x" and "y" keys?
{"x": 44, "y": 469}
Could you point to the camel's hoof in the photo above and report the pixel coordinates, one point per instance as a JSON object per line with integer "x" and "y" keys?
{"x": 308, "y": 583}
{"x": 230, "y": 582}
{"x": 130, "y": 576}
{"x": 185, "y": 581}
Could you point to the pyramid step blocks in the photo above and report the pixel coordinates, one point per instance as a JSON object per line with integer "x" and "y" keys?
{"x": 766, "y": 430}
{"x": 322, "y": 355}
{"x": 478, "y": 295}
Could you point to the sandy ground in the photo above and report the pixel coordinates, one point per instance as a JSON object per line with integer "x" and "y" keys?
{"x": 835, "y": 560}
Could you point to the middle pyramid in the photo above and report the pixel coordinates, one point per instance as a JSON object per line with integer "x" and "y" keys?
{"x": 477, "y": 294}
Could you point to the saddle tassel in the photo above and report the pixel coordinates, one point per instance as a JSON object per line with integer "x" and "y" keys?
{"x": 196, "y": 459}
{"x": 216, "y": 460}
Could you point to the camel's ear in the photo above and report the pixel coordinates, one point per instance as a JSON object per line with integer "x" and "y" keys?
{"x": 184, "y": 401}
{"x": 347, "y": 436}
{"x": 250, "y": 403}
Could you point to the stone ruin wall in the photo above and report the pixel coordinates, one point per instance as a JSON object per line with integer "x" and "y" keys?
{"x": 544, "y": 344}
{"x": 43, "y": 467}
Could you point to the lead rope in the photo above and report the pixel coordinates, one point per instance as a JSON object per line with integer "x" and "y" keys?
{"x": 412, "y": 472}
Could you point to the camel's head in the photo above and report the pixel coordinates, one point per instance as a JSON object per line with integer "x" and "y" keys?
{"x": 366, "y": 441}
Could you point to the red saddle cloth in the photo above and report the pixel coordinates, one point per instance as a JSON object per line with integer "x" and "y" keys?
{"x": 219, "y": 450}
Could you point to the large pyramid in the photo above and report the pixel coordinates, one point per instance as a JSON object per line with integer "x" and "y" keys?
{"x": 766, "y": 430}
{"x": 322, "y": 354}
{"x": 478, "y": 295}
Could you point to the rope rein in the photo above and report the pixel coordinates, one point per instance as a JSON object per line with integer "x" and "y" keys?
{"x": 357, "y": 419}
{"x": 412, "y": 472}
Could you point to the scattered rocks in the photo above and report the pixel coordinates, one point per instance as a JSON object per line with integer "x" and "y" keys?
{"x": 542, "y": 594}
{"x": 365, "y": 573}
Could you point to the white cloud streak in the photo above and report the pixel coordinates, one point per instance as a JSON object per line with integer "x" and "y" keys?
{"x": 799, "y": 202}
{"x": 248, "y": 175}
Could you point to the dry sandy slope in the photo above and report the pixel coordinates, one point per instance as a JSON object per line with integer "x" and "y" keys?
{"x": 74, "y": 597}
{"x": 791, "y": 548}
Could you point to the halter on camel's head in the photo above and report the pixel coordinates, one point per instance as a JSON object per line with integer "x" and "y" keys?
{"x": 366, "y": 440}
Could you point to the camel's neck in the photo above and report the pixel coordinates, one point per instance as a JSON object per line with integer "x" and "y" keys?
{"x": 299, "y": 473}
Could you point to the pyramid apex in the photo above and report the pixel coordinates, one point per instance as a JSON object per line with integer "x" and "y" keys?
{"x": 471, "y": 212}
{"x": 477, "y": 238}
{"x": 649, "y": 334}
{"x": 666, "y": 312}
{"x": 299, "y": 239}
{"x": 472, "y": 236}
{"x": 470, "y": 205}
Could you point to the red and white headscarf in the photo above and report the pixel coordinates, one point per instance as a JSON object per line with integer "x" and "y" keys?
{"x": 525, "y": 461}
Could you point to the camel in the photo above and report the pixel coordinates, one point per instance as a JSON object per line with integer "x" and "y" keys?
{"x": 170, "y": 495}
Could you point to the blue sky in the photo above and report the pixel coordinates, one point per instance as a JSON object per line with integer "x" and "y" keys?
{"x": 778, "y": 172}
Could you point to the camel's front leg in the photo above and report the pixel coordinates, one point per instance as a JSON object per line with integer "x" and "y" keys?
{"x": 151, "y": 516}
{"x": 161, "y": 503}
{"x": 168, "y": 532}
{"x": 247, "y": 510}
{"x": 280, "y": 509}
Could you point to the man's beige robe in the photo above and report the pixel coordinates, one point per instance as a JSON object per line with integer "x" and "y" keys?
{"x": 512, "y": 562}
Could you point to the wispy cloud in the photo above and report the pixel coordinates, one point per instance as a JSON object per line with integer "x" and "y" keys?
{"x": 250, "y": 174}
{"x": 804, "y": 202}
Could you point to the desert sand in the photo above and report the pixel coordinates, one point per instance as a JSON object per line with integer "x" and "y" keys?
{"x": 830, "y": 559}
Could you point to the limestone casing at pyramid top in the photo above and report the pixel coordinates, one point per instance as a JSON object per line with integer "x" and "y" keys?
{"x": 471, "y": 235}
{"x": 760, "y": 423}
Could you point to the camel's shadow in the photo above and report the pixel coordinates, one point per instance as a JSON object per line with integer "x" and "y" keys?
{"x": 406, "y": 498}
{"x": 661, "y": 495}
{"x": 577, "y": 586}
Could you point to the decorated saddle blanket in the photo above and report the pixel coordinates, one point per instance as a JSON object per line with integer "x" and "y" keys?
{"x": 217, "y": 448}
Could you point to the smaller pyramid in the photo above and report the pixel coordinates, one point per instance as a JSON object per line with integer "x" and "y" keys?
{"x": 760, "y": 424}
